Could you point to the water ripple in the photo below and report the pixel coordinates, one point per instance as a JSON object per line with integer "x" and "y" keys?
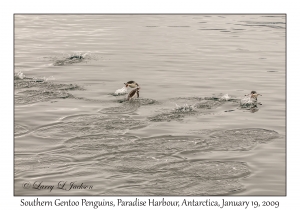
{"x": 34, "y": 90}
{"x": 88, "y": 125}
{"x": 20, "y": 130}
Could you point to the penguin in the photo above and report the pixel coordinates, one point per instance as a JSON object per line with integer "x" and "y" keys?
{"x": 135, "y": 93}
{"x": 254, "y": 95}
{"x": 132, "y": 84}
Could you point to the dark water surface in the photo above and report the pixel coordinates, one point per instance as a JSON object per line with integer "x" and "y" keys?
{"x": 187, "y": 134}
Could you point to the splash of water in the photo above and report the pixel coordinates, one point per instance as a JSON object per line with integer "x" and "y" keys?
{"x": 184, "y": 108}
{"x": 247, "y": 101}
{"x": 20, "y": 75}
{"x": 82, "y": 54}
{"x": 121, "y": 91}
{"x": 71, "y": 58}
{"x": 225, "y": 97}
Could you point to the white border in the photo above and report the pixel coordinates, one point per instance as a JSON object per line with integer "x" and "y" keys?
{"x": 8, "y": 8}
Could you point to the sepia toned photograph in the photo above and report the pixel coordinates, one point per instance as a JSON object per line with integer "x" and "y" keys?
{"x": 149, "y": 105}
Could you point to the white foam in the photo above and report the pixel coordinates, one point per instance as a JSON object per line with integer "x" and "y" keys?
{"x": 46, "y": 79}
{"x": 225, "y": 97}
{"x": 20, "y": 75}
{"x": 184, "y": 108}
{"x": 121, "y": 91}
{"x": 247, "y": 100}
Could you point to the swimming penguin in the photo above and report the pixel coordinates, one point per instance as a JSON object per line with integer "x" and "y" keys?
{"x": 254, "y": 95}
{"x": 132, "y": 84}
{"x": 135, "y": 93}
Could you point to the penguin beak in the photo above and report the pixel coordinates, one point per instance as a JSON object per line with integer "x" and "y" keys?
{"x": 126, "y": 84}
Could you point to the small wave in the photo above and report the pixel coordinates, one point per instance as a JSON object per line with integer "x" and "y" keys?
{"x": 167, "y": 117}
{"x": 20, "y": 130}
{"x": 73, "y": 58}
{"x": 184, "y": 108}
{"x": 40, "y": 164}
{"x": 233, "y": 140}
{"x": 208, "y": 170}
{"x": 34, "y": 96}
{"x": 89, "y": 125}
{"x": 146, "y": 101}
{"x": 44, "y": 82}
{"x": 94, "y": 145}
{"x": 126, "y": 107}
{"x": 192, "y": 106}
{"x": 176, "y": 114}
{"x": 256, "y": 134}
{"x": 208, "y": 104}
{"x": 211, "y": 101}
{"x": 190, "y": 186}
{"x": 269, "y": 25}
{"x": 191, "y": 177}
{"x": 42, "y": 89}
{"x": 210, "y": 140}
{"x": 181, "y": 111}
{"x": 142, "y": 101}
